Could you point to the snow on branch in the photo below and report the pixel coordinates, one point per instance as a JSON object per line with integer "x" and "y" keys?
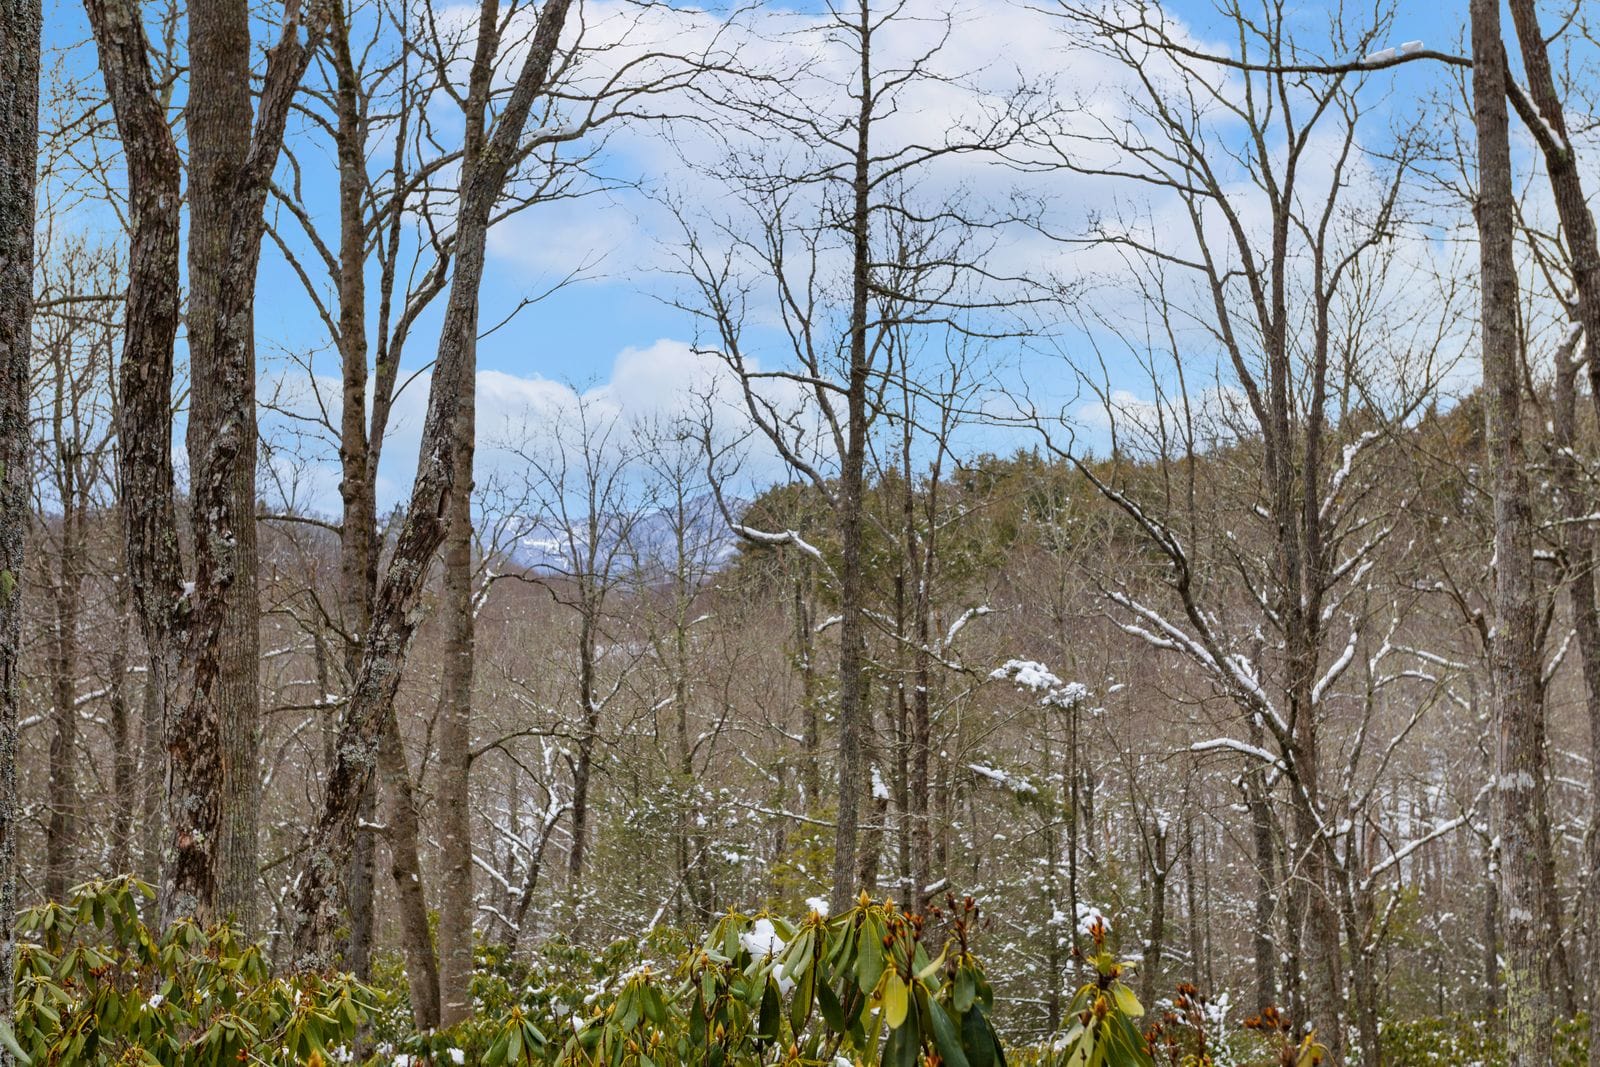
{"x": 1233, "y": 673}
{"x": 1400, "y": 854}
{"x": 1168, "y": 634}
{"x": 1544, "y": 132}
{"x": 786, "y": 537}
{"x": 1229, "y": 744}
{"x": 1020, "y": 786}
{"x": 1335, "y": 669}
{"x": 1027, "y": 673}
{"x": 1342, "y": 475}
{"x": 961, "y": 623}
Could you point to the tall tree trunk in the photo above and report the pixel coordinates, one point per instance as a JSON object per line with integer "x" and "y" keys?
{"x": 1364, "y": 989}
{"x": 61, "y": 831}
{"x": 900, "y": 790}
{"x": 358, "y": 528}
{"x": 920, "y": 552}
{"x": 19, "y": 151}
{"x": 125, "y": 765}
{"x": 1491, "y": 932}
{"x": 362, "y": 872}
{"x": 125, "y": 768}
{"x": 1519, "y": 778}
{"x": 583, "y": 764}
{"x": 1191, "y": 887}
{"x": 322, "y": 887}
{"x": 400, "y": 818}
{"x": 222, "y": 436}
{"x": 1583, "y": 246}
{"x": 456, "y": 905}
{"x": 811, "y": 731}
{"x": 197, "y": 638}
{"x": 1265, "y": 949}
{"x": 150, "y": 323}
{"x": 1155, "y": 939}
{"x": 852, "y": 581}
{"x": 152, "y": 745}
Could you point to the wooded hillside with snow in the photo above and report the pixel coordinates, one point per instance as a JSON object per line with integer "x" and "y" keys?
{"x": 621, "y": 534}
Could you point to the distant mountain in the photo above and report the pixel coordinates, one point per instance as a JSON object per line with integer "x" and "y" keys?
{"x": 648, "y": 540}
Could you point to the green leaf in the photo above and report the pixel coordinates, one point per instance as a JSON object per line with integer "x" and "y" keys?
{"x": 804, "y": 998}
{"x": 9, "y": 1040}
{"x": 945, "y": 1037}
{"x": 1136, "y": 1049}
{"x": 771, "y": 1011}
{"x": 832, "y": 1012}
{"x": 965, "y": 992}
{"x": 896, "y": 1000}
{"x": 903, "y": 1046}
{"x": 1127, "y": 1003}
{"x": 869, "y": 961}
{"x": 977, "y": 1038}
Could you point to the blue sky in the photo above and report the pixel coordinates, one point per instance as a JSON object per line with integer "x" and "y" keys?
{"x": 613, "y": 320}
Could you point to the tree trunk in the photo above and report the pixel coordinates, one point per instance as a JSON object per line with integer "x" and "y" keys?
{"x": 19, "y": 143}
{"x": 852, "y": 580}
{"x": 152, "y": 743}
{"x": 811, "y": 743}
{"x": 1364, "y": 980}
{"x": 1585, "y": 621}
{"x": 1491, "y": 933}
{"x": 362, "y": 873}
{"x": 1266, "y": 862}
{"x": 222, "y": 446}
{"x": 1155, "y": 938}
{"x": 918, "y": 787}
{"x": 197, "y": 639}
{"x": 456, "y": 905}
{"x": 61, "y": 830}
{"x": 150, "y": 323}
{"x": 400, "y": 818}
{"x": 126, "y": 757}
{"x": 1519, "y": 777}
{"x": 322, "y": 892}
{"x": 583, "y": 765}
{"x": 357, "y": 492}
{"x": 1583, "y": 245}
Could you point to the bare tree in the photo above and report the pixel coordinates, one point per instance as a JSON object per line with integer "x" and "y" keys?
{"x": 202, "y": 637}
{"x": 585, "y": 509}
{"x": 323, "y": 886}
{"x": 74, "y": 449}
{"x": 1520, "y": 817}
{"x": 1284, "y": 309}
{"x": 19, "y": 153}
{"x": 1548, "y": 124}
{"x": 836, "y": 337}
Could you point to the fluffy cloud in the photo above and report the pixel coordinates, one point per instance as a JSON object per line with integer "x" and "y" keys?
{"x": 518, "y": 417}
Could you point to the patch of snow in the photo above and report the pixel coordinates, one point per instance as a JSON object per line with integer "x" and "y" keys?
{"x": 1027, "y": 674}
{"x": 1019, "y": 786}
{"x": 1088, "y": 916}
{"x": 762, "y": 939}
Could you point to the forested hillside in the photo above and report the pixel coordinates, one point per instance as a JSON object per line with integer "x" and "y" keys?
{"x": 627, "y": 534}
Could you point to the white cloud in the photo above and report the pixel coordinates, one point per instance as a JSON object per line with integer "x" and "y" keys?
{"x": 527, "y": 415}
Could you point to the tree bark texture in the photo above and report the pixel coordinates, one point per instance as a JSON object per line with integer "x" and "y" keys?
{"x": 19, "y": 153}
{"x": 1519, "y": 778}
{"x": 456, "y": 904}
{"x": 321, "y": 893}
